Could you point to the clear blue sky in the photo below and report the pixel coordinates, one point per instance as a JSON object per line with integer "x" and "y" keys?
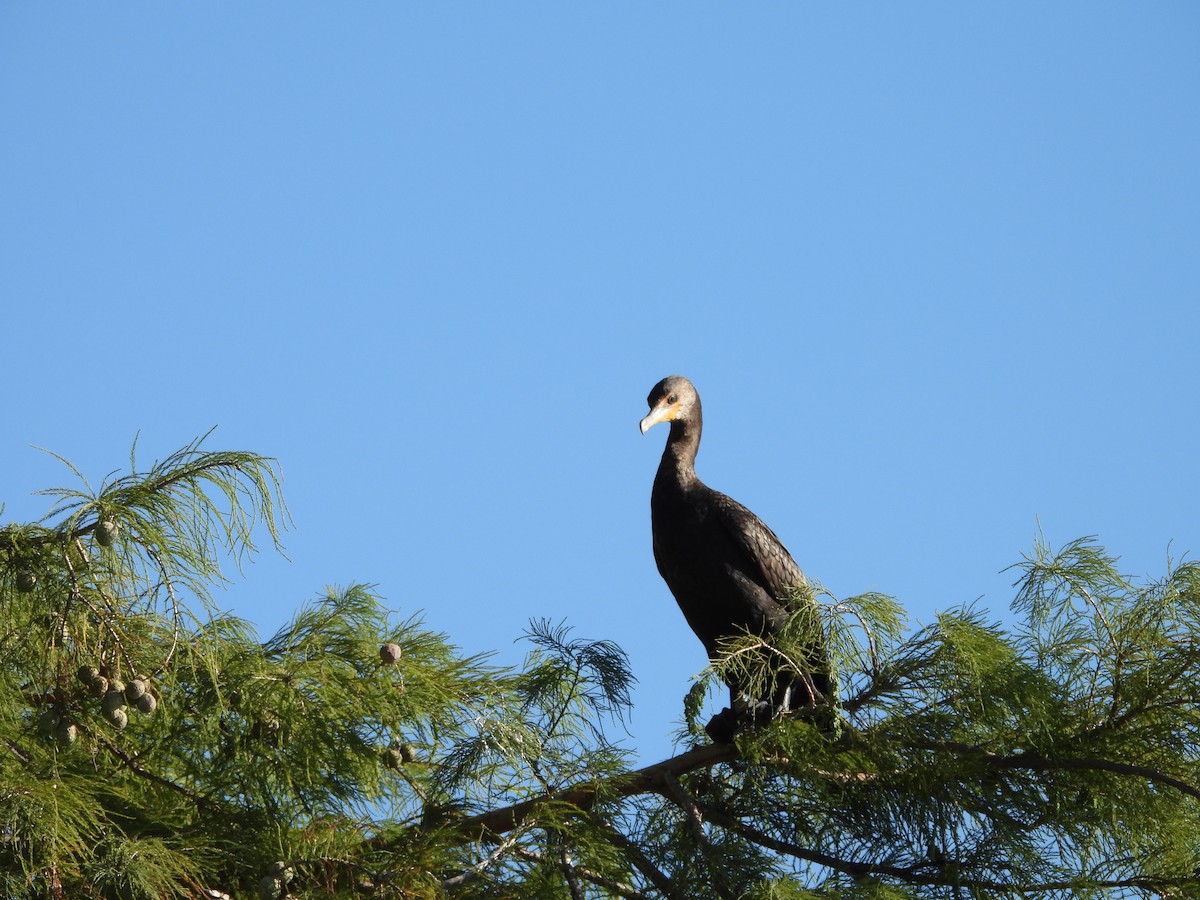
{"x": 935, "y": 269}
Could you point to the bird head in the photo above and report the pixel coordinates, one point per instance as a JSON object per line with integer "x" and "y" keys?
{"x": 672, "y": 399}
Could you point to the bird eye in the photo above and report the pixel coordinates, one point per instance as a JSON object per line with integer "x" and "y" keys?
{"x": 671, "y": 398}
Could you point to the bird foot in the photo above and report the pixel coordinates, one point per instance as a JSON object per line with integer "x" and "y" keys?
{"x": 725, "y": 724}
{"x": 722, "y": 727}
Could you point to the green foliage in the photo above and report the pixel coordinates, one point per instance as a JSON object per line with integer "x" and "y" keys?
{"x": 152, "y": 746}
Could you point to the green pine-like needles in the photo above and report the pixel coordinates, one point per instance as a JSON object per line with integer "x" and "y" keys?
{"x": 152, "y": 746}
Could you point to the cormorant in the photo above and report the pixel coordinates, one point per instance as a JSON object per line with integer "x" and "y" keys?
{"x": 728, "y": 571}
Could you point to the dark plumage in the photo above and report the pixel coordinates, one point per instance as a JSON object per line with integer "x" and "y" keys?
{"x": 727, "y": 570}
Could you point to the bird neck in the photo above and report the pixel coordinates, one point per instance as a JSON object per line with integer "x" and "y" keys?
{"x": 679, "y": 457}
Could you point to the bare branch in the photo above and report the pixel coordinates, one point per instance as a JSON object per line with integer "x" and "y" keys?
{"x": 503, "y": 847}
{"x": 687, "y": 803}
{"x": 645, "y": 780}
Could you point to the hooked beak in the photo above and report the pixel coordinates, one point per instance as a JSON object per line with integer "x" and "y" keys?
{"x": 664, "y": 412}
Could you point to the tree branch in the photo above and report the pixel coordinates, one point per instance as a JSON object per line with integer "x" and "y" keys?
{"x": 467, "y": 874}
{"x": 645, "y": 780}
{"x": 662, "y": 778}
{"x": 1039, "y": 763}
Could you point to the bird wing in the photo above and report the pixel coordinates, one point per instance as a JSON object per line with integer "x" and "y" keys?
{"x": 766, "y": 561}
{"x": 774, "y": 573}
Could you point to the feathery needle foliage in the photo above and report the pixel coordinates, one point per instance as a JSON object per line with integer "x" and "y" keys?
{"x": 155, "y": 747}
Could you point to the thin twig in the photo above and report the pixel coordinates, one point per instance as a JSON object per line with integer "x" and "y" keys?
{"x": 133, "y": 766}
{"x": 175, "y": 616}
{"x": 620, "y": 888}
{"x": 640, "y": 860}
{"x": 681, "y": 798}
{"x": 685, "y": 801}
{"x": 569, "y": 874}
{"x": 467, "y": 874}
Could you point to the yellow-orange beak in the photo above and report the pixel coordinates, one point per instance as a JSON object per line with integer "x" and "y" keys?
{"x": 664, "y": 412}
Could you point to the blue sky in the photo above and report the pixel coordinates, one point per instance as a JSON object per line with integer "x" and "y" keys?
{"x": 934, "y": 268}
